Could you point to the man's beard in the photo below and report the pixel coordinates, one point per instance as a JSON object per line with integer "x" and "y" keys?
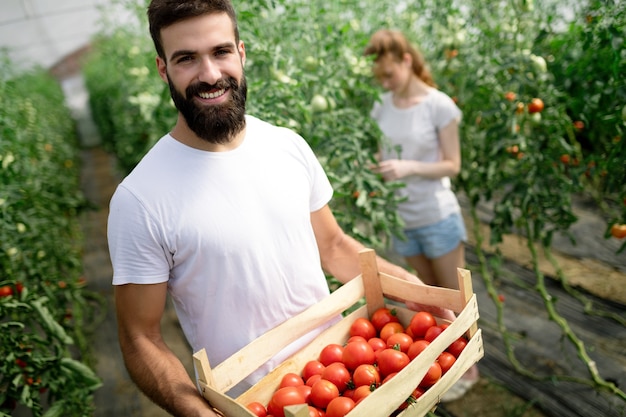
{"x": 216, "y": 124}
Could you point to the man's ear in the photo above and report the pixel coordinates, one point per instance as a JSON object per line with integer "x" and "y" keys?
{"x": 162, "y": 68}
{"x": 242, "y": 53}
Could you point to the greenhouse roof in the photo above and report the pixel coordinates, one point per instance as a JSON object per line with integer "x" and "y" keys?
{"x": 44, "y": 32}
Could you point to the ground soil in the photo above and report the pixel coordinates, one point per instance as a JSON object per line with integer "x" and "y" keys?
{"x": 595, "y": 269}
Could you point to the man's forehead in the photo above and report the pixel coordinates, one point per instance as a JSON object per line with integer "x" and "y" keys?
{"x": 206, "y": 30}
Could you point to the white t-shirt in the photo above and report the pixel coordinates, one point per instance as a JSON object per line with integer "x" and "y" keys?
{"x": 412, "y": 134}
{"x": 229, "y": 231}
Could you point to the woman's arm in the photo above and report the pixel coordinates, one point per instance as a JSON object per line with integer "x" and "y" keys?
{"x": 448, "y": 166}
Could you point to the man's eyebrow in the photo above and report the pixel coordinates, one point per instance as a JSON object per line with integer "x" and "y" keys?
{"x": 186, "y": 52}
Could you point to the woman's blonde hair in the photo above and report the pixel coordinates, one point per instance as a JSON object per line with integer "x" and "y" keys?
{"x": 393, "y": 43}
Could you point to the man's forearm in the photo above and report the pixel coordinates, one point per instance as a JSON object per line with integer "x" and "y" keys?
{"x": 162, "y": 377}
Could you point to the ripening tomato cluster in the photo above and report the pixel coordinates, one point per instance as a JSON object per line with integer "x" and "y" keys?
{"x": 343, "y": 375}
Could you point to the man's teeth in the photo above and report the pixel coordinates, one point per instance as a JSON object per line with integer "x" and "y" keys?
{"x": 214, "y": 94}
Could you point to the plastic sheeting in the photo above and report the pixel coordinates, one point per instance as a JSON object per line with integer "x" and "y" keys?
{"x": 43, "y": 32}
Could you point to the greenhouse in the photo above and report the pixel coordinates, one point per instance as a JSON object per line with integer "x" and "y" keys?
{"x": 542, "y": 137}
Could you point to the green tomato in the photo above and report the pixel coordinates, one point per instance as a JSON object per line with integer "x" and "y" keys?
{"x": 310, "y": 63}
{"x": 539, "y": 64}
{"x": 319, "y": 103}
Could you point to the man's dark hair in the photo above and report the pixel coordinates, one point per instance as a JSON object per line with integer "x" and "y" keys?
{"x": 164, "y": 13}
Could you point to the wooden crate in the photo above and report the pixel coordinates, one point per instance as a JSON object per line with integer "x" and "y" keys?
{"x": 374, "y": 286}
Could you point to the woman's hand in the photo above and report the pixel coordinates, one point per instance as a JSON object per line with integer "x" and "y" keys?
{"x": 395, "y": 169}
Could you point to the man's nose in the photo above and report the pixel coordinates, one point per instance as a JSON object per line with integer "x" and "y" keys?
{"x": 209, "y": 71}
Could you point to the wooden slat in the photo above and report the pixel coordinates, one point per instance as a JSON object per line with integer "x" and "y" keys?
{"x": 465, "y": 288}
{"x": 389, "y": 396}
{"x": 234, "y": 369}
{"x": 421, "y": 294}
{"x": 371, "y": 281}
{"x": 296, "y": 411}
{"x": 335, "y": 334}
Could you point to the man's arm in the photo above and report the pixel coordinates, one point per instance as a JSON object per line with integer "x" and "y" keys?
{"x": 340, "y": 252}
{"x": 151, "y": 364}
{"x": 340, "y": 257}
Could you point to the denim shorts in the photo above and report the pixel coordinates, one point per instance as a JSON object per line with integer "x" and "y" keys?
{"x": 434, "y": 240}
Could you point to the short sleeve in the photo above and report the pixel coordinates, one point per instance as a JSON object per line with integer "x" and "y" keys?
{"x": 446, "y": 111}
{"x": 136, "y": 248}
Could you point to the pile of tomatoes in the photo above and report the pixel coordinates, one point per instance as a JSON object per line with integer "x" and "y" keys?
{"x": 343, "y": 375}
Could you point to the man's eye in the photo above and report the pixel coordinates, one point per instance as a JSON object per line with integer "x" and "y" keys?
{"x": 184, "y": 59}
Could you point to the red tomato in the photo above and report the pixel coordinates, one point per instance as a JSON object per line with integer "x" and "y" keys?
{"x": 446, "y": 360}
{"x": 457, "y": 346}
{"x": 377, "y": 343}
{"x": 432, "y": 376}
{"x": 388, "y": 377}
{"x": 417, "y": 392}
{"x": 349, "y": 392}
{"x": 314, "y": 412}
{"x": 363, "y": 327}
{"x": 313, "y": 379}
{"x": 282, "y": 398}
{"x": 362, "y": 392}
{"x": 339, "y": 407}
{"x": 535, "y": 105}
{"x": 331, "y": 353}
{"x": 323, "y": 392}
{"x": 432, "y": 333}
{"x": 291, "y": 379}
{"x": 391, "y": 360}
{"x": 383, "y": 316}
{"x": 257, "y": 409}
{"x": 338, "y": 374}
{"x": 366, "y": 375}
{"x": 400, "y": 341}
{"x": 305, "y": 390}
{"x": 618, "y": 231}
{"x": 416, "y": 348}
{"x": 6, "y": 291}
{"x": 357, "y": 353}
{"x": 356, "y": 339}
{"x": 420, "y": 322}
{"x": 389, "y": 329}
{"x": 312, "y": 368}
